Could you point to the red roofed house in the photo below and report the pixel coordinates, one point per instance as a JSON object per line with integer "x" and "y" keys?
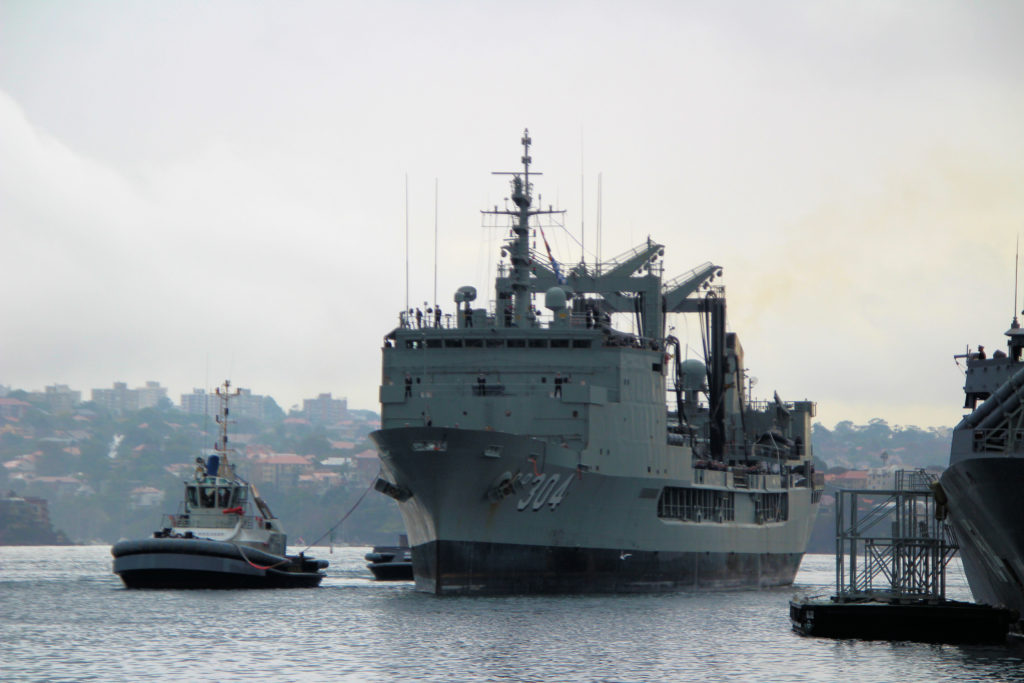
{"x": 279, "y": 469}
{"x": 146, "y": 497}
{"x": 367, "y": 462}
{"x": 854, "y": 479}
{"x": 13, "y": 409}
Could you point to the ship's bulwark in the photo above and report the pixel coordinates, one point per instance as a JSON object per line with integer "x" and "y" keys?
{"x": 985, "y": 509}
{"x": 484, "y": 568}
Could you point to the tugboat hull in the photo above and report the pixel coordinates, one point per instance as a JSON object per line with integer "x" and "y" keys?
{"x": 198, "y": 563}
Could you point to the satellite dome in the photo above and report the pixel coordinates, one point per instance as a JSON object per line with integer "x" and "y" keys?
{"x": 554, "y": 298}
{"x": 695, "y": 375}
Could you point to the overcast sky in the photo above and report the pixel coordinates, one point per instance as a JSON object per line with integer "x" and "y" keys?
{"x": 191, "y": 191}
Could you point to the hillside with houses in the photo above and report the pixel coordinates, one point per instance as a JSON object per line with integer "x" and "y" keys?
{"x": 109, "y": 467}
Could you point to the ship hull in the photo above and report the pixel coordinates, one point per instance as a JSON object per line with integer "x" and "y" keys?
{"x": 567, "y": 530}
{"x": 984, "y": 499}
{"x": 199, "y": 563}
{"x": 475, "y": 567}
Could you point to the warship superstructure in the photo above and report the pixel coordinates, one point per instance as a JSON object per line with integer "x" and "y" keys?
{"x": 551, "y": 452}
{"x": 982, "y": 485}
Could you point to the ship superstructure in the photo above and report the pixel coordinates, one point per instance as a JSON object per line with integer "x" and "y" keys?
{"x": 552, "y": 452}
{"x": 985, "y": 477}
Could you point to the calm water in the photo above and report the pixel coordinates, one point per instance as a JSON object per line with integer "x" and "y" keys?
{"x": 64, "y": 616}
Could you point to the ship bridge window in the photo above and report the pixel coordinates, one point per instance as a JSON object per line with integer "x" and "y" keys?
{"x": 516, "y": 343}
{"x": 191, "y": 496}
{"x": 559, "y": 343}
{"x": 581, "y": 343}
{"x": 208, "y": 496}
{"x": 434, "y": 344}
{"x": 495, "y": 343}
{"x": 453, "y": 343}
{"x": 538, "y": 343}
{"x": 223, "y": 496}
{"x": 475, "y": 343}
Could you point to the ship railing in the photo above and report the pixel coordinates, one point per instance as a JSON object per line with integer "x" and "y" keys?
{"x": 761, "y": 405}
{"x": 408, "y": 320}
{"x": 613, "y": 338}
{"x": 227, "y": 521}
{"x": 1003, "y": 439}
{"x": 516, "y": 389}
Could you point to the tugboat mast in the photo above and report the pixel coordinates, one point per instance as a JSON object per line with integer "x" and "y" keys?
{"x": 221, "y": 446}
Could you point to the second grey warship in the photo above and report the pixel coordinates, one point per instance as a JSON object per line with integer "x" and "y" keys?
{"x": 534, "y": 453}
{"x": 983, "y": 483}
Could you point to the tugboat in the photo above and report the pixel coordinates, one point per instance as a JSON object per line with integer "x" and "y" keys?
{"x": 391, "y": 562}
{"x": 223, "y": 536}
{"x": 536, "y": 452}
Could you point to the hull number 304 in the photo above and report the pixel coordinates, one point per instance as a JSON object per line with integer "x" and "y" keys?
{"x": 544, "y": 489}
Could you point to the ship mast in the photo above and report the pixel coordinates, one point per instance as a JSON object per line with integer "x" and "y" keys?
{"x": 519, "y": 245}
{"x": 520, "y": 251}
{"x": 221, "y": 447}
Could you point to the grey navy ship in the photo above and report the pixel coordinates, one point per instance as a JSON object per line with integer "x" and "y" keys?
{"x": 539, "y": 452}
{"x": 982, "y": 485}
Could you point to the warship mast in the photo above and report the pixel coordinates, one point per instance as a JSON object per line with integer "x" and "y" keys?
{"x": 519, "y": 245}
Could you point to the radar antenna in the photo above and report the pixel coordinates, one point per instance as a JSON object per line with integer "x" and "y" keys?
{"x": 1016, "y": 271}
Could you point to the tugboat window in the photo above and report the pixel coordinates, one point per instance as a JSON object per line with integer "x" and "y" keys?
{"x": 191, "y": 496}
{"x": 224, "y": 495}
{"x": 209, "y": 496}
